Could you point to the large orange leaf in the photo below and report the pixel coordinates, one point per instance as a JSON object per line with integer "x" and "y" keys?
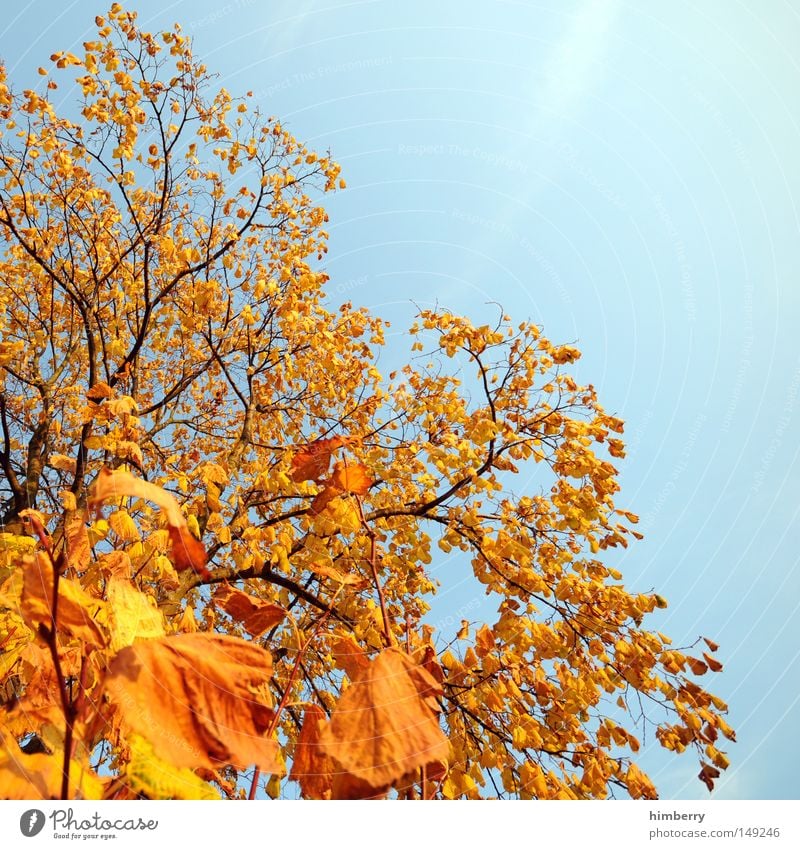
{"x": 200, "y": 699}
{"x": 385, "y": 724}
{"x": 317, "y": 774}
{"x": 255, "y": 614}
{"x": 347, "y": 786}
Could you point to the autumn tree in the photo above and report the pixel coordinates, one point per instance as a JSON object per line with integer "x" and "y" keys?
{"x": 219, "y": 519}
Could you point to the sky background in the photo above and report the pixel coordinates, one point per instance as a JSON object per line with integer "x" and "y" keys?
{"x": 623, "y": 173}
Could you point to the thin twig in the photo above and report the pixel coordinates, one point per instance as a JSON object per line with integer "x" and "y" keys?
{"x": 49, "y": 633}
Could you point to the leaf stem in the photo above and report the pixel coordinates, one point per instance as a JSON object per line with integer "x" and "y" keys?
{"x": 373, "y": 565}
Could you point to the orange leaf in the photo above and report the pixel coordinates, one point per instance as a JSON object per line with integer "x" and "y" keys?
{"x": 383, "y": 726}
{"x": 711, "y": 644}
{"x": 323, "y": 499}
{"x": 77, "y": 612}
{"x": 697, "y": 666}
{"x": 351, "y": 478}
{"x": 256, "y": 616}
{"x": 707, "y": 775}
{"x": 348, "y": 656}
{"x": 310, "y": 765}
{"x": 433, "y": 774}
{"x": 187, "y": 552}
{"x": 311, "y": 463}
{"x": 99, "y": 391}
{"x": 347, "y": 786}
{"x": 713, "y": 664}
{"x": 345, "y": 479}
{"x": 115, "y": 563}
{"x": 326, "y": 571}
{"x": 200, "y": 699}
{"x": 76, "y": 540}
{"x": 431, "y": 664}
{"x": 484, "y": 641}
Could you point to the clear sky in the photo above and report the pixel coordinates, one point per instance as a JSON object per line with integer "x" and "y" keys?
{"x": 624, "y": 173}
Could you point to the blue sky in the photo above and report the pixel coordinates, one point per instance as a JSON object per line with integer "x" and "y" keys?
{"x": 624, "y": 174}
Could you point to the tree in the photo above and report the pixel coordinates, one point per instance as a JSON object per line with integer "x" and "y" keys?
{"x": 219, "y": 517}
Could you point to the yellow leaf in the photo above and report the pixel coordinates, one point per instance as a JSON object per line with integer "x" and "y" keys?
{"x": 63, "y": 463}
{"x": 98, "y": 531}
{"x": 339, "y": 516}
{"x": 39, "y": 776}
{"x": 68, "y": 500}
{"x": 132, "y": 614}
{"x": 123, "y": 526}
{"x": 327, "y": 571}
{"x": 146, "y": 773}
{"x": 14, "y": 636}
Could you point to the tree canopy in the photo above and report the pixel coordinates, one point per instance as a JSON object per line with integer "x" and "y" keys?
{"x": 220, "y": 520}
